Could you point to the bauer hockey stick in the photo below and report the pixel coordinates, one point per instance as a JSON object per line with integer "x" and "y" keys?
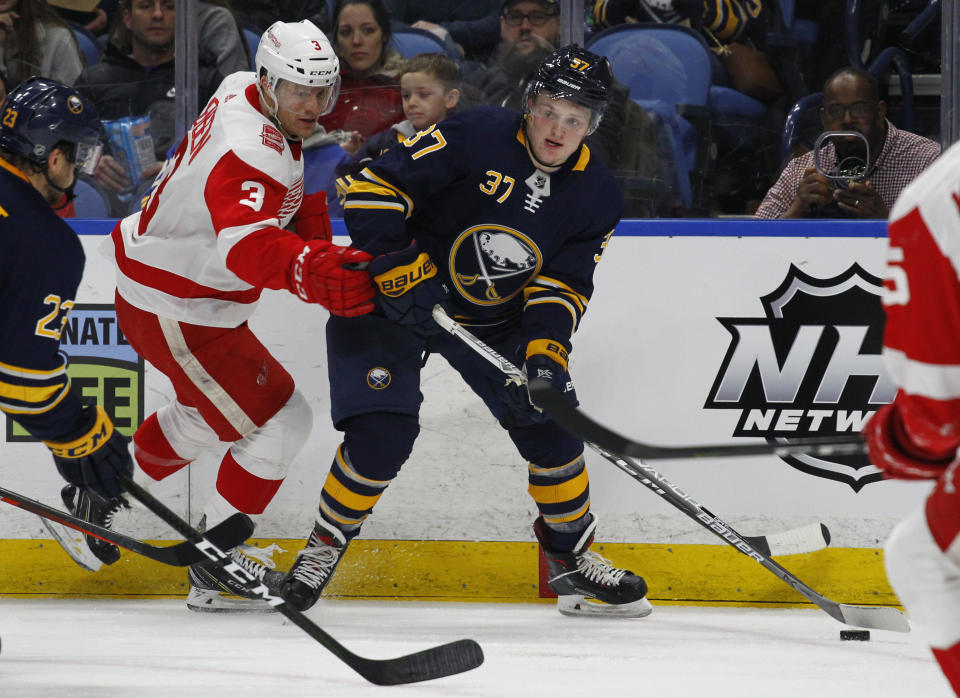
{"x": 879, "y": 617}
{"x": 434, "y": 663}
{"x": 228, "y": 533}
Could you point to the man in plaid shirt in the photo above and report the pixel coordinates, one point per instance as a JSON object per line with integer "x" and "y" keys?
{"x": 851, "y": 103}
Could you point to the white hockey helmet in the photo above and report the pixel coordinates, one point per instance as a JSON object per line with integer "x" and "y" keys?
{"x": 300, "y": 53}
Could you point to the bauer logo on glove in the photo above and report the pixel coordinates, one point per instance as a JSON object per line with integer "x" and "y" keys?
{"x": 398, "y": 280}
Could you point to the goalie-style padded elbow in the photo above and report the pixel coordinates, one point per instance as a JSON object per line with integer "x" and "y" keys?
{"x": 92, "y": 439}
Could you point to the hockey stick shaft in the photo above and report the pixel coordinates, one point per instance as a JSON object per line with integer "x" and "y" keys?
{"x": 228, "y": 533}
{"x": 861, "y": 616}
{"x": 435, "y": 662}
{"x": 592, "y": 431}
{"x": 577, "y": 421}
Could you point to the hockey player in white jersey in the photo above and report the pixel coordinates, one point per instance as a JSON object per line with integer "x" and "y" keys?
{"x": 192, "y": 264}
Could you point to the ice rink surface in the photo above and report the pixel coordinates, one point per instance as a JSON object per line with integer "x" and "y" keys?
{"x": 156, "y": 648}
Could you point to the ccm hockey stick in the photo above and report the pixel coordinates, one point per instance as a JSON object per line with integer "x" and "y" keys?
{"x": 881, "y": 618}
{"x": 228, "y": 534}
{"x": 434, "y": 663}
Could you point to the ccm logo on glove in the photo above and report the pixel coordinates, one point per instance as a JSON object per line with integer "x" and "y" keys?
{"x": 398, "y": 280}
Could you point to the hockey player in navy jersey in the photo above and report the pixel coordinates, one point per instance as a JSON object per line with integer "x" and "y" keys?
{"x": 501, "y": 217}
{"x": 47, "y": 132}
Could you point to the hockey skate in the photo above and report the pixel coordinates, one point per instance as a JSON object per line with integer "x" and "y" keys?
{"x": 92, "y": 507}
{"x": 587, "y": 584}
{"x": 314, "y": 566}
{"x": 213, "y": 590}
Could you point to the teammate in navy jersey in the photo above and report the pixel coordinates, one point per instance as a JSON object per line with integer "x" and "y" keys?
{"x": 500, "y": 217}
{"x": 47, "y": 132}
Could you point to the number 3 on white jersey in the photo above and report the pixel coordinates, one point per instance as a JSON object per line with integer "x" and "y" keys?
{"x": 898, "y": 292}
{"x": 254, "y": 198}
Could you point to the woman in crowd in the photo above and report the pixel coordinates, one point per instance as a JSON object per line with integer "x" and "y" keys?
{"x": 35, "y": 41}
{"x": 369, "y": 99}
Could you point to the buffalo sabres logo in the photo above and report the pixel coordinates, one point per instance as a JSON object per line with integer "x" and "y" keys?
{"x": 490, "y": 264}
{"x": 74, "y": 104}
{"x": 378, "y": 378}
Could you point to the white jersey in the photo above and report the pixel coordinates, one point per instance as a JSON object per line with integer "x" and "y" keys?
{"x": 214, "y": 216}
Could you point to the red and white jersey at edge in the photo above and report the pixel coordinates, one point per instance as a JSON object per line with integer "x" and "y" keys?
{"x": 922, "y": 303}
{"x": 233, "y": 181}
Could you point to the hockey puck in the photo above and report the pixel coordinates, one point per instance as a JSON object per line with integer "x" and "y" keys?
{"x": 861, "y": 635}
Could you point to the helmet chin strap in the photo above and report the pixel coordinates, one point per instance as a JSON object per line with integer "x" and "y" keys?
{"x": 68, "y": 190}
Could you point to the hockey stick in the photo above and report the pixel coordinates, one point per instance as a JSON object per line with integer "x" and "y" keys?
{"x": 882, "y": 618}
{"x": 229, "y": 533}
{"x": 586, "y": 428}
{"x": 434, "y": 663}
{"x": 576, "y": 421}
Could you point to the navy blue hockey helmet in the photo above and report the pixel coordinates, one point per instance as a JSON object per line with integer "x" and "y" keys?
{"x": 575, "y": 74}
{"x": 40, "y": 113}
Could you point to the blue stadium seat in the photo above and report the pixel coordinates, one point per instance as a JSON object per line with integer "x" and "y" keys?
{"x": 253, "y": 41}
{"x": 88, "y": 46}
{"x": 668, "y": 73}
{"x": 89, "y": 201}
{"x": 319, "y": 173}
{"x": 409, "y": 42}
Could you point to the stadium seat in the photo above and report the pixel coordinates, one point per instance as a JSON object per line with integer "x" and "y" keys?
{"x": 89, "y": 201}
{"x": 319, "y": 173}
{"x": 668, "y": 71}
{"x": 409, "y": 42}
{"x": 88, "y": 45}
{"x": 253, "y": 41}
{"x": 890, "y": 57}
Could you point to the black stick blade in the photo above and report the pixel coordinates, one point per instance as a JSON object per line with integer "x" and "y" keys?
{"x": 434, "y": 663}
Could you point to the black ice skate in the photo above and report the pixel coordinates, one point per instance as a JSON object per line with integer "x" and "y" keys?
{"x": 92, "y": 507}
{"x": 213, "y": 590}
{"x": 314, "y": 566}
{"x": 587, "y": 584}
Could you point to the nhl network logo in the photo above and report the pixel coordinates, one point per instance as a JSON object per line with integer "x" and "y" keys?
{"x": 811, "y": 367}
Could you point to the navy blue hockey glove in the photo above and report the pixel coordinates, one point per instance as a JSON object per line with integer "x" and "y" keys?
{"x": 547, "y": 359}
{"x": 409, "y": 288}
{"x": 95, "y": 458}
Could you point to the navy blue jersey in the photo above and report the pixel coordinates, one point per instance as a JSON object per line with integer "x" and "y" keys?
{"x": 507, "y": 238}
{"x": 41, "y": 262}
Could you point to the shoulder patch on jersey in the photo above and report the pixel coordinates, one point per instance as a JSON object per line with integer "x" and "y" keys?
{"x": 272, "y": 138}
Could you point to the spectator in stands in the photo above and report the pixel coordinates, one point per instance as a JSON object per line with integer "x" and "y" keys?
{"x": 86, "y": 14}
{"x": 369, "y": 99}
{"x": 474, "y": 27}
{"x": 430, "y": 88}
{"x": 35, "y": 41}
{"x": 629, "y": 140}
{"x": 260, "y": 14}
{"x": 136, "y": 77}
{"x": 219, "y": 33}
{"x": 851, "y": 102}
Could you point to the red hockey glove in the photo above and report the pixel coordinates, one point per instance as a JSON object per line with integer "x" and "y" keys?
{"x": 409, "y": 288}
{"x": 312, "y": 219}
{"x": 892, "y": 451}
{"x": 318, "y": 276}
{"x": 94, "y": 458}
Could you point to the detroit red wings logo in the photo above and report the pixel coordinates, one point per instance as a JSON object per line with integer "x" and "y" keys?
{"x": 292, "y": 199}
{"x": 272, "y": 138}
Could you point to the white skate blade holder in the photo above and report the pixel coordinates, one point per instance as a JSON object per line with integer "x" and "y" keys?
{"x": 73, "y": 544}
{"x": 213, "y": 601}
{"x": 578, "y": 605}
